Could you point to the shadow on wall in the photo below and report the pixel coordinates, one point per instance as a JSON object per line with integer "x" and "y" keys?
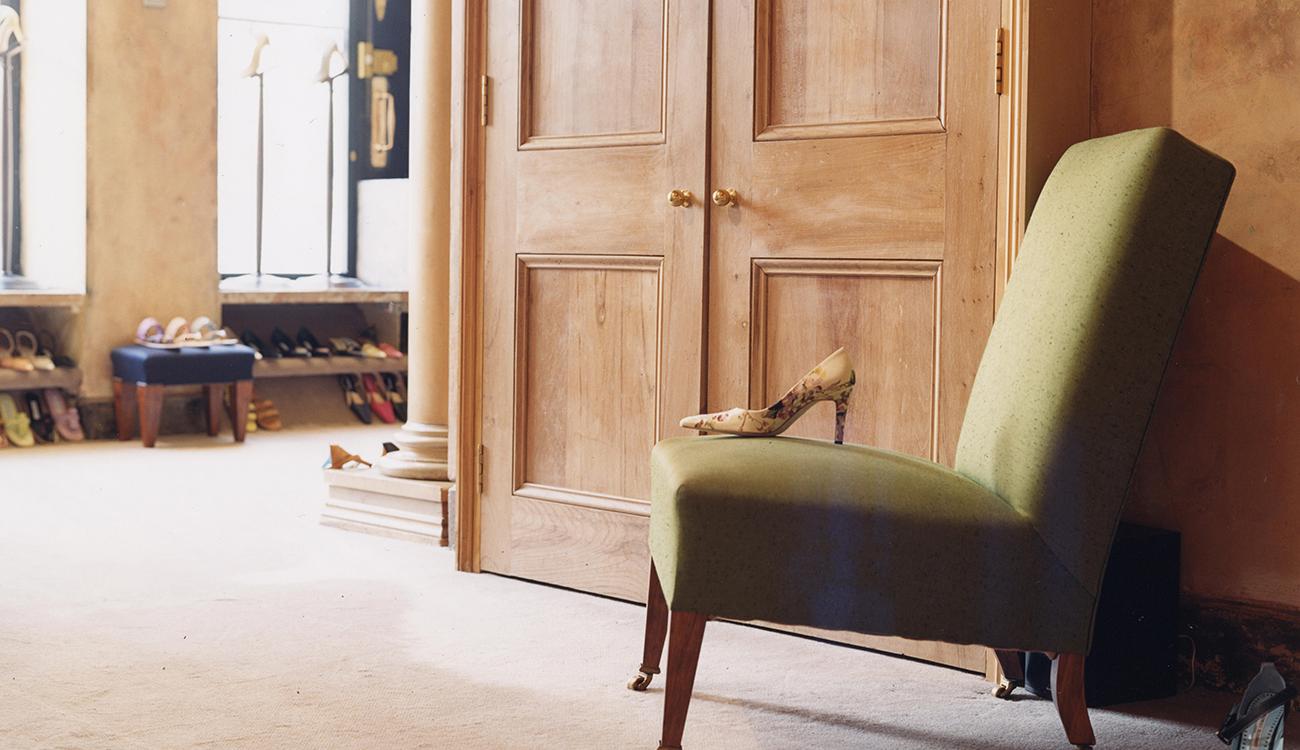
{"x": 1220, "y": 461}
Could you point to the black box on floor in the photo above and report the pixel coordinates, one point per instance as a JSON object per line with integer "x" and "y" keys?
{"x": 1134, "y": 646}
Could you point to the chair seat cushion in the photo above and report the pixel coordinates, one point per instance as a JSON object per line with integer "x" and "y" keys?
{"x": 189, "y": 366}
{"x": 846, "y": 537}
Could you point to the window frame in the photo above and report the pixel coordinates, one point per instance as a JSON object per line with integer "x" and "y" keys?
{"x": 11, "y": 243}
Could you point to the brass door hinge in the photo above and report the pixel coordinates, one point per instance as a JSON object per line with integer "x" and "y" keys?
{"x": 483, "y": 101}
{"x": 481, "y": 462}
{"x": 999, "y": 57}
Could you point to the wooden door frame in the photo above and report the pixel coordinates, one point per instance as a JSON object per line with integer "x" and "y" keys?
{"x": 469, "y": 112}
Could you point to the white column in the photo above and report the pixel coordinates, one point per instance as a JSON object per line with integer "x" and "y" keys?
{"x": 423, "y": 439}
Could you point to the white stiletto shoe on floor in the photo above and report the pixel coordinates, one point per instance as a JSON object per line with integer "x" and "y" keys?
{"x": 832, "y": 380}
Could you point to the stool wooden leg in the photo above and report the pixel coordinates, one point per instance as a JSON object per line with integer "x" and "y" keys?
{"x": 656, "y": 630}
{"x": 212, "y": 394}
{"x": 1013, "y": 673}
{"x": 1069, "y": 695}
{"x": 150, "y": 397}
{"x": 687, "y": 632}
{"x": 124, "y": 408}
{"x": 241, "y": 392}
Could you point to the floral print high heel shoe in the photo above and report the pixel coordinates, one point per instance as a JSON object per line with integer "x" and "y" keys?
{"x": 832, "y": 380}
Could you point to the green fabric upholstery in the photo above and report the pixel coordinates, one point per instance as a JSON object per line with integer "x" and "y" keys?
{"x": 1069, "y": 377}
{"x": 806, "y": 532}
{"x": 1008, "y": 550}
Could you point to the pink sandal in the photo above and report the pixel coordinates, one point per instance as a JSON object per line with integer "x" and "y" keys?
{"x": 67, "y": 422}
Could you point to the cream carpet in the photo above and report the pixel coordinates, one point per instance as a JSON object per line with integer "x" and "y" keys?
{"x": 188, "y": 597}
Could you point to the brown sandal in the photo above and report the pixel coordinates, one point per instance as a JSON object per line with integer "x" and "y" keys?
{"x": 268, "y": 417}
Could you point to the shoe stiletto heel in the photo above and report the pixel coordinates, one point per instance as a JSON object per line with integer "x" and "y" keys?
{"x": 831, "y": 380}
{"x": 841, "y": 415}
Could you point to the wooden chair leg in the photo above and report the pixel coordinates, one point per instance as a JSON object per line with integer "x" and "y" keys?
{"x": 241, "y": 392}
{"x": 1013, "y": 672}
{"x": 1069, "y": 697}
{"x": 212, "y": 395}
{"x": 124, "y": 408}
{"x": 683, "y": 656}
{"x": 150, "y": 397}
{"x": 656, "y": 630}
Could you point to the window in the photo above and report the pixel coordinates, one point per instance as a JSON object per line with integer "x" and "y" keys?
{"x": 11, "y": 43}
{"x": 297, "y": 147}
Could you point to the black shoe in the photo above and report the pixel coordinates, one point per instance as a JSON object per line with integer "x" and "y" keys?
{"x": 42, "y": 422}
{"x": 396, "y": 396}
{"x": 281, "y": 341}
{"x": 251, "y": 340}
{"x": 309, "y": 341}
{"x": 356, "y": 400}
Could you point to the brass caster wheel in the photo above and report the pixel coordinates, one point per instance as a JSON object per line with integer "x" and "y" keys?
{"x": 1004, "y": 689}
{"x": 640, "y": 681}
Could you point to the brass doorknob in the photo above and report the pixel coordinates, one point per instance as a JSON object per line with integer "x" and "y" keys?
{"x": 680, "y": 198}
{"x": 725, "y": 197}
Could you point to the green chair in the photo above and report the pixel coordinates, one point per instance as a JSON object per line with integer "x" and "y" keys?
{"x": 1008, "y": 549}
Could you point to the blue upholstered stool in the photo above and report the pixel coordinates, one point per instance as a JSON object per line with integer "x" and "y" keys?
{"x": 140, "y": 373}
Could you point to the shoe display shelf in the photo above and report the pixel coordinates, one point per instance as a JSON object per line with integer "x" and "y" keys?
{"x": 67, "y": 379}
{"x": 38, "y": 310}
{"x": 326, "y": 312}
{"x": 292, "y": 367}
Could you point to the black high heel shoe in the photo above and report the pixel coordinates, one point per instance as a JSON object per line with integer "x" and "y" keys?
{"x": 42, "y": 423}
{"x": 252, "y": 341}
{"x": 396, "y": 396}
{"x": 308, "y": 340}
{"x": 356, "y": 401}
{"x": 285, "y": 345}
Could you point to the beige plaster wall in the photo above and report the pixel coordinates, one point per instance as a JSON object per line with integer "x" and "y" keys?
{"x": 151, "y": 173}
{"x": 1222, "y": 463}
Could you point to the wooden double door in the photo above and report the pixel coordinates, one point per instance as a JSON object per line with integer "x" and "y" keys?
{"x": 853, "y": 144}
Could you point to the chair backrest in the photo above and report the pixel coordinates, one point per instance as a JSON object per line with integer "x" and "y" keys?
{"x": 1070, "y": 374}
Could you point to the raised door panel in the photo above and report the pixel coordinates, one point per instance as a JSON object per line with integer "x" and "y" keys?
{"x": 592, "y": 72}
{"x": 587, "y": 379}
{"x": 884, "y": 313}
{"x": 848, "y": 67}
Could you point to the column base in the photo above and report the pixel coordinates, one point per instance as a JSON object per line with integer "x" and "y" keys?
{"x": 422, "y": 454}
{"x": 365, "y": 500}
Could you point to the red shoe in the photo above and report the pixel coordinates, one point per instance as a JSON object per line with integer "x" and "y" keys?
{"x": 390, "y": 350}
{"x": 379, "y": 403}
